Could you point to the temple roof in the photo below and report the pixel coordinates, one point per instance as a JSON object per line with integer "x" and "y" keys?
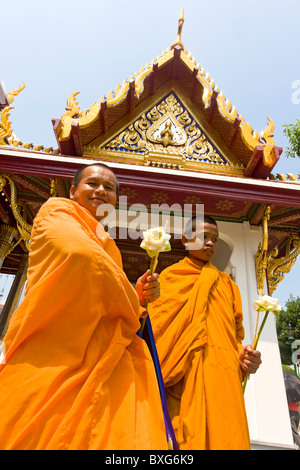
{"x": 176, "y": 74}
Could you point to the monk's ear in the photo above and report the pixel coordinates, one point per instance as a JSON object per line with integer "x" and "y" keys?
{"x": 72, "y": 191}
{"x": 184, "y": 240}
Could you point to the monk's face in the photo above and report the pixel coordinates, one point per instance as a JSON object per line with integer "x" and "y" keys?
{"x": 97, "y": 186}
{"x": 203, "y": 246}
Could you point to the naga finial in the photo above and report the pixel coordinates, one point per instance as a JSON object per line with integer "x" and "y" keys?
{"x": 11, "y": 94}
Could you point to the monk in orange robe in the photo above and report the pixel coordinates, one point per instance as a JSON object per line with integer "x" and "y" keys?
{"x": 197, "y": 325}
{"x": 76, "y": 374}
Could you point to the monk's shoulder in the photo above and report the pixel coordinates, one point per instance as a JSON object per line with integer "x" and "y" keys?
{"x": 232, "y": 285}
{"x": 54, "y": 204}
{"x": 170, "y": 271}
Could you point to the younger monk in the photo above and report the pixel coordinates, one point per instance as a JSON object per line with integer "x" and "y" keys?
{"x": 77, "y": 376}
{"x": 197, "y": 324}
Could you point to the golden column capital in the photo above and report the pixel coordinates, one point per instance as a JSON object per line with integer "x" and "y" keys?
{"x": 7, "y": 235}
{"x": 261, "y": 257}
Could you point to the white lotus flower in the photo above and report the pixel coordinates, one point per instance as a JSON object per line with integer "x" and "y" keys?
{"x": 265, "y": 303}
{"x": 155, "y": 241}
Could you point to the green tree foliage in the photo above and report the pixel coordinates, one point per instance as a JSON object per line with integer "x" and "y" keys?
{"x": 292, "y": 132}
{"x": 291, "y": 315}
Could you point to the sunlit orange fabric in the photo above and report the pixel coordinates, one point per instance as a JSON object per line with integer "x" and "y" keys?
{"x": 197, "y": 324}
{"x": 77, "y": 375}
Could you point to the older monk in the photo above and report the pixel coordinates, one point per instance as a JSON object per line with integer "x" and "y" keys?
{"x": 76, "y": 374}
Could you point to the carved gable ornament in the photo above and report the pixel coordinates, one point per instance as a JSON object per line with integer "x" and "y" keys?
{"x": 166, "y": 135}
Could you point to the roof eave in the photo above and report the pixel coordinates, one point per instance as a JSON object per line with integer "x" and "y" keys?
{"x": 260, "y": 191}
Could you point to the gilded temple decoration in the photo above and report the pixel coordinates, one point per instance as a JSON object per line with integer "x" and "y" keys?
{"x": 53, "y": 187}
{"x": 7, "y": 244}
{"x": 268, "y": 266}
{"x": 252, "y": 139}
{"x": 73, "y": 114}
{"x": 164, "y": 135}
{"x": 282, "y": 177}
{"x": 278, "y": 267}
{"x": 6, "y": 131}
{"x": 261, "y": 257}
{"x": 180, "y": 25}
{"x": 11, "y": 94}
{"x": 87, "y": 121}
{"x": 23, "y": 227}
{"x": 73, "y": 109}
{"x": 224, "y": 205}
{"x": 5, "y": 126}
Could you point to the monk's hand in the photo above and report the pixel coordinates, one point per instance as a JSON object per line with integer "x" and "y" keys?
{"x": 148, "y": 287}
{"x": 250, "y": 359}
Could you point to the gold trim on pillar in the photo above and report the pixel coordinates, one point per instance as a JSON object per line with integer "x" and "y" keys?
{"x": 278, "y": 267}
{"x": 261, "y": 257}
{"x": 54, "y": 189}
{"x": 23, "y": 227}
{"x": 268, "y": 266}
{"x": 7, "y": 235}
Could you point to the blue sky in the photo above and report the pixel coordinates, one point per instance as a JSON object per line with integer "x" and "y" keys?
{"x": 251, "y": 49}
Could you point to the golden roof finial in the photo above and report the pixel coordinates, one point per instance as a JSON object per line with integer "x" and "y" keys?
{"x": 11, "y": 94}
{"x": 180, "y": 24}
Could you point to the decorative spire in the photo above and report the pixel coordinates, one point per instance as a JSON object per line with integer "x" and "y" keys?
{"x": 180, "y": 24}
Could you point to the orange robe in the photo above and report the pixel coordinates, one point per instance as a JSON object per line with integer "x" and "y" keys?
{"x": 197, "y": 325}
{"x": 77, "y": 376}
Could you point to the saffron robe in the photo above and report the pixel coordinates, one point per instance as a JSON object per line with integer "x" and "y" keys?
{"x": 77, "y": 376}
{"x": 197, "y": 325}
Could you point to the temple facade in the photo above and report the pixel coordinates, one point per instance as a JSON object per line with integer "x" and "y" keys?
{"x": 176, "y": 143}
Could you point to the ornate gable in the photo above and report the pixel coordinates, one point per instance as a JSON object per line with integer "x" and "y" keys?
{"x": 165, "y": 135}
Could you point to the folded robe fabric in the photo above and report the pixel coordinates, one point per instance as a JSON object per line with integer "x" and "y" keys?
{"x": 197, "y": 325}
{"x": 77, "y": 376}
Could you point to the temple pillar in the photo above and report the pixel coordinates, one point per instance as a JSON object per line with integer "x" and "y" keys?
{"x": 14, "y": 295}
{"x": 7, "y": 235}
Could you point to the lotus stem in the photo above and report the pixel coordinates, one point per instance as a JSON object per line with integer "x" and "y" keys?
{"x": 254, "y": 346}
{"x": 151, "y": 271}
